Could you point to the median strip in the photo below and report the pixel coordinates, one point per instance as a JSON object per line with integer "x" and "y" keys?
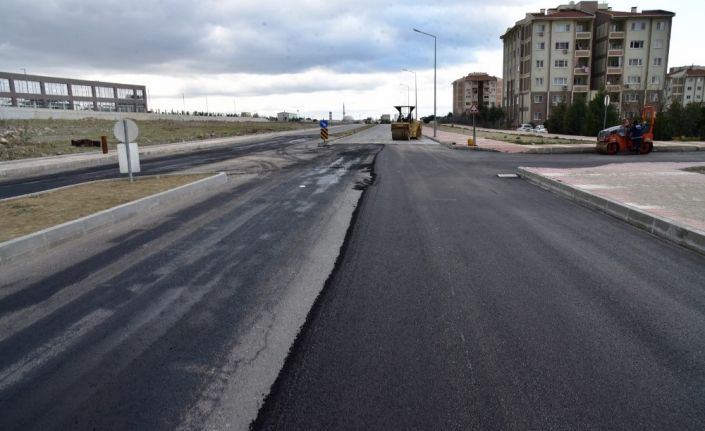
{"x": 44, "y": 220}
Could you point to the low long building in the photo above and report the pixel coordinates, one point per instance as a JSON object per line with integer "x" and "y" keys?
{"x": 35, "y": 91}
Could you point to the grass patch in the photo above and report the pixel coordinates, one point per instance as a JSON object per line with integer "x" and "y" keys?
{"x": 521, "y": 139}
{"x": 38, "y": 138}
{"x": 25, "y": 215}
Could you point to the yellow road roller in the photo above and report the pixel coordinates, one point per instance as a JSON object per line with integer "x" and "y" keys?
{"x": 404, "y": 126}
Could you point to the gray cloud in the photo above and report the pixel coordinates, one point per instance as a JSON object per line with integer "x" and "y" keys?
{"x": 243, "y": 36}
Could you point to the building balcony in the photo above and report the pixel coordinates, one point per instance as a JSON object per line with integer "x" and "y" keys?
{"x": 582, "y": 53}
{"x": 615, "y": 52}
{"x": 580, "y": 88}
{"x": 613, "y": 88}
{"x": 616, "y": 35}
{"x": 614, "y": 70}
{"x": 583, "y": 35}
{"x": 581, "y": 70}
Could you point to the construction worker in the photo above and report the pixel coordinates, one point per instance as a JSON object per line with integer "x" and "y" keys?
{"x": 636, "y": 135}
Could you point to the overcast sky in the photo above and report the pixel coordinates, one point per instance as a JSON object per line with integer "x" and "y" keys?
{"x": 268, "y": 56}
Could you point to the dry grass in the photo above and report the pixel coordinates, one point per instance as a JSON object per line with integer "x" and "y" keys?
{"x": 37, "y": 138}
{"x": 25, "y": 215}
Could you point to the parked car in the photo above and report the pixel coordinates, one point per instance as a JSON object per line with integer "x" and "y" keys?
{"x": 525, "y": 128}
{"x": 540, "y": 129}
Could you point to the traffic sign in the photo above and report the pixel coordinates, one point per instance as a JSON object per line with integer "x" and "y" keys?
{"x": 607, "y": 99}
{"x": 323, "y": 124}
{"x": 324, "y": 134}
{"x": 473, "y": 109}
{"x": 123, "y": 126}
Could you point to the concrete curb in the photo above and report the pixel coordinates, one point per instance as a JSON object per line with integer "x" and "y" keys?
{"x": 659, "y": 226}
{"x": 51, "y": 237}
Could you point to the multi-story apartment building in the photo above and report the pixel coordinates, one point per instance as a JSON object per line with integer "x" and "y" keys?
{"x": 685, "y": 84}
{"x": 33, "y": 91}
{"x": 477, "y": 88}
{"x": 556, "y": 55}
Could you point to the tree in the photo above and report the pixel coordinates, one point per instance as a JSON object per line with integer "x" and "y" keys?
{"x": 556, "y": 122}
{"x": 596, "y": 115}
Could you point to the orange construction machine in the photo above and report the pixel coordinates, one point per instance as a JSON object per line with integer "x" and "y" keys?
{"x": 637, "y": 138}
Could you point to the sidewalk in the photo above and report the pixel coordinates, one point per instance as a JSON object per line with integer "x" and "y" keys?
{"x": 661, "y": 198}
{"x": 460, "y": 140}
{"x": 53, "y": 164}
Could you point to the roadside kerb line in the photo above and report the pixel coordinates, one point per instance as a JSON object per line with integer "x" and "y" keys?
{"x": 659, "y": 226}
{"x": 49, "y": 238}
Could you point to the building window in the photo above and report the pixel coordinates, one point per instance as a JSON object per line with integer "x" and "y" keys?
{"x": 82, "y": 105}
{"x": 30, "y": 103}
{"x": 557, "y": 98}
{"x": 635, "y": 61}
{"x": 661, "y": 25}
{"x": 81, "y": 91}
{"x": 538, "y": 116}
{"x": 538, "y": 98}
{"x": 687, "y": 97}
{"x": 541, "y": 45}
{"x": 124, "y": 93}
{"x": 58, "y": 104}
{"x": 633, "y": 79}
{"x": 122, "y": 107}
{"x": 560, "y": 81}
{"x": 139, "y": 94}
{"x": 562, "y": 45}
{"x": 56, "y": 89}
{"x": 105, "y": 93}
{"x": 27, "y": 87}
{"x": 654, "y": 97}
{"x": 561, "y": 63}
{"x": 105, "y": 106}
{"x": 539, "y": 63}
{"x": 655, "y": 79}
{"x": 690, "y": 88}
{"x": 638, "y": 26}
{"x": 636, "y": 44}
{"x": 631, "y": 97}
{"x": 658, "y": 61}
{"x": 658, "y": 43}
{"x": 539, "y": 81}
{"x": 562, "y": 28}
{"x": 5, "y": 101}
{"x": 540, "y": 28}
{"x": 4, "y": 85}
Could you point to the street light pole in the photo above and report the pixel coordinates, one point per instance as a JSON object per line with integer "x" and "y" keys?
{"x": 416, "y": 92}
{"x": 407, "y": 93}
{"x": 435, "y": 119}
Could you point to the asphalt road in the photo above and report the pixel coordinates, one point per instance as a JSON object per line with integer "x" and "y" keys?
{"x": 155, "y": 165}
{"x": 466, "y": 301}
{"x": 180, "y": 319}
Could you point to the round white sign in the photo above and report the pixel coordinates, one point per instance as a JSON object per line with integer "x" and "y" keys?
{"x": 119, "y": 131}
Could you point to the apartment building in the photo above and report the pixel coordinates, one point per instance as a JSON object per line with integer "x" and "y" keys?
{"x": 34, "y": 91}
{"x": 685, "y": 84}
{"x": 573, "y": 50}
{"x": 477, "y": 88}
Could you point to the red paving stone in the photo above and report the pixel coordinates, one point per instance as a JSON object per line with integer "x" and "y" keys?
{"x": 661, "y": 189}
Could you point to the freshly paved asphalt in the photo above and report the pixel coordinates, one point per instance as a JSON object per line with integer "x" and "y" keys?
{"x": 466, "y": 301}
{"x": 146, "y": 325}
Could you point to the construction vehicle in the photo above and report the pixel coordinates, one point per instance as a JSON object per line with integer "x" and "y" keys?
{"x": 404, "y": 126}
{"x": 616, "y": 139}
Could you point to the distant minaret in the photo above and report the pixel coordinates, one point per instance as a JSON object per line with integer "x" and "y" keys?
{"x": 343, "y": 110}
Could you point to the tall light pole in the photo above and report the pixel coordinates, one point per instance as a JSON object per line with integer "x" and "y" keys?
{"x": 416, "y": 92}
{"x": 435, "y": 120}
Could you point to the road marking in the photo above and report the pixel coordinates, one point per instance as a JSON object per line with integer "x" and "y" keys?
{"x": 508, "y": 175}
